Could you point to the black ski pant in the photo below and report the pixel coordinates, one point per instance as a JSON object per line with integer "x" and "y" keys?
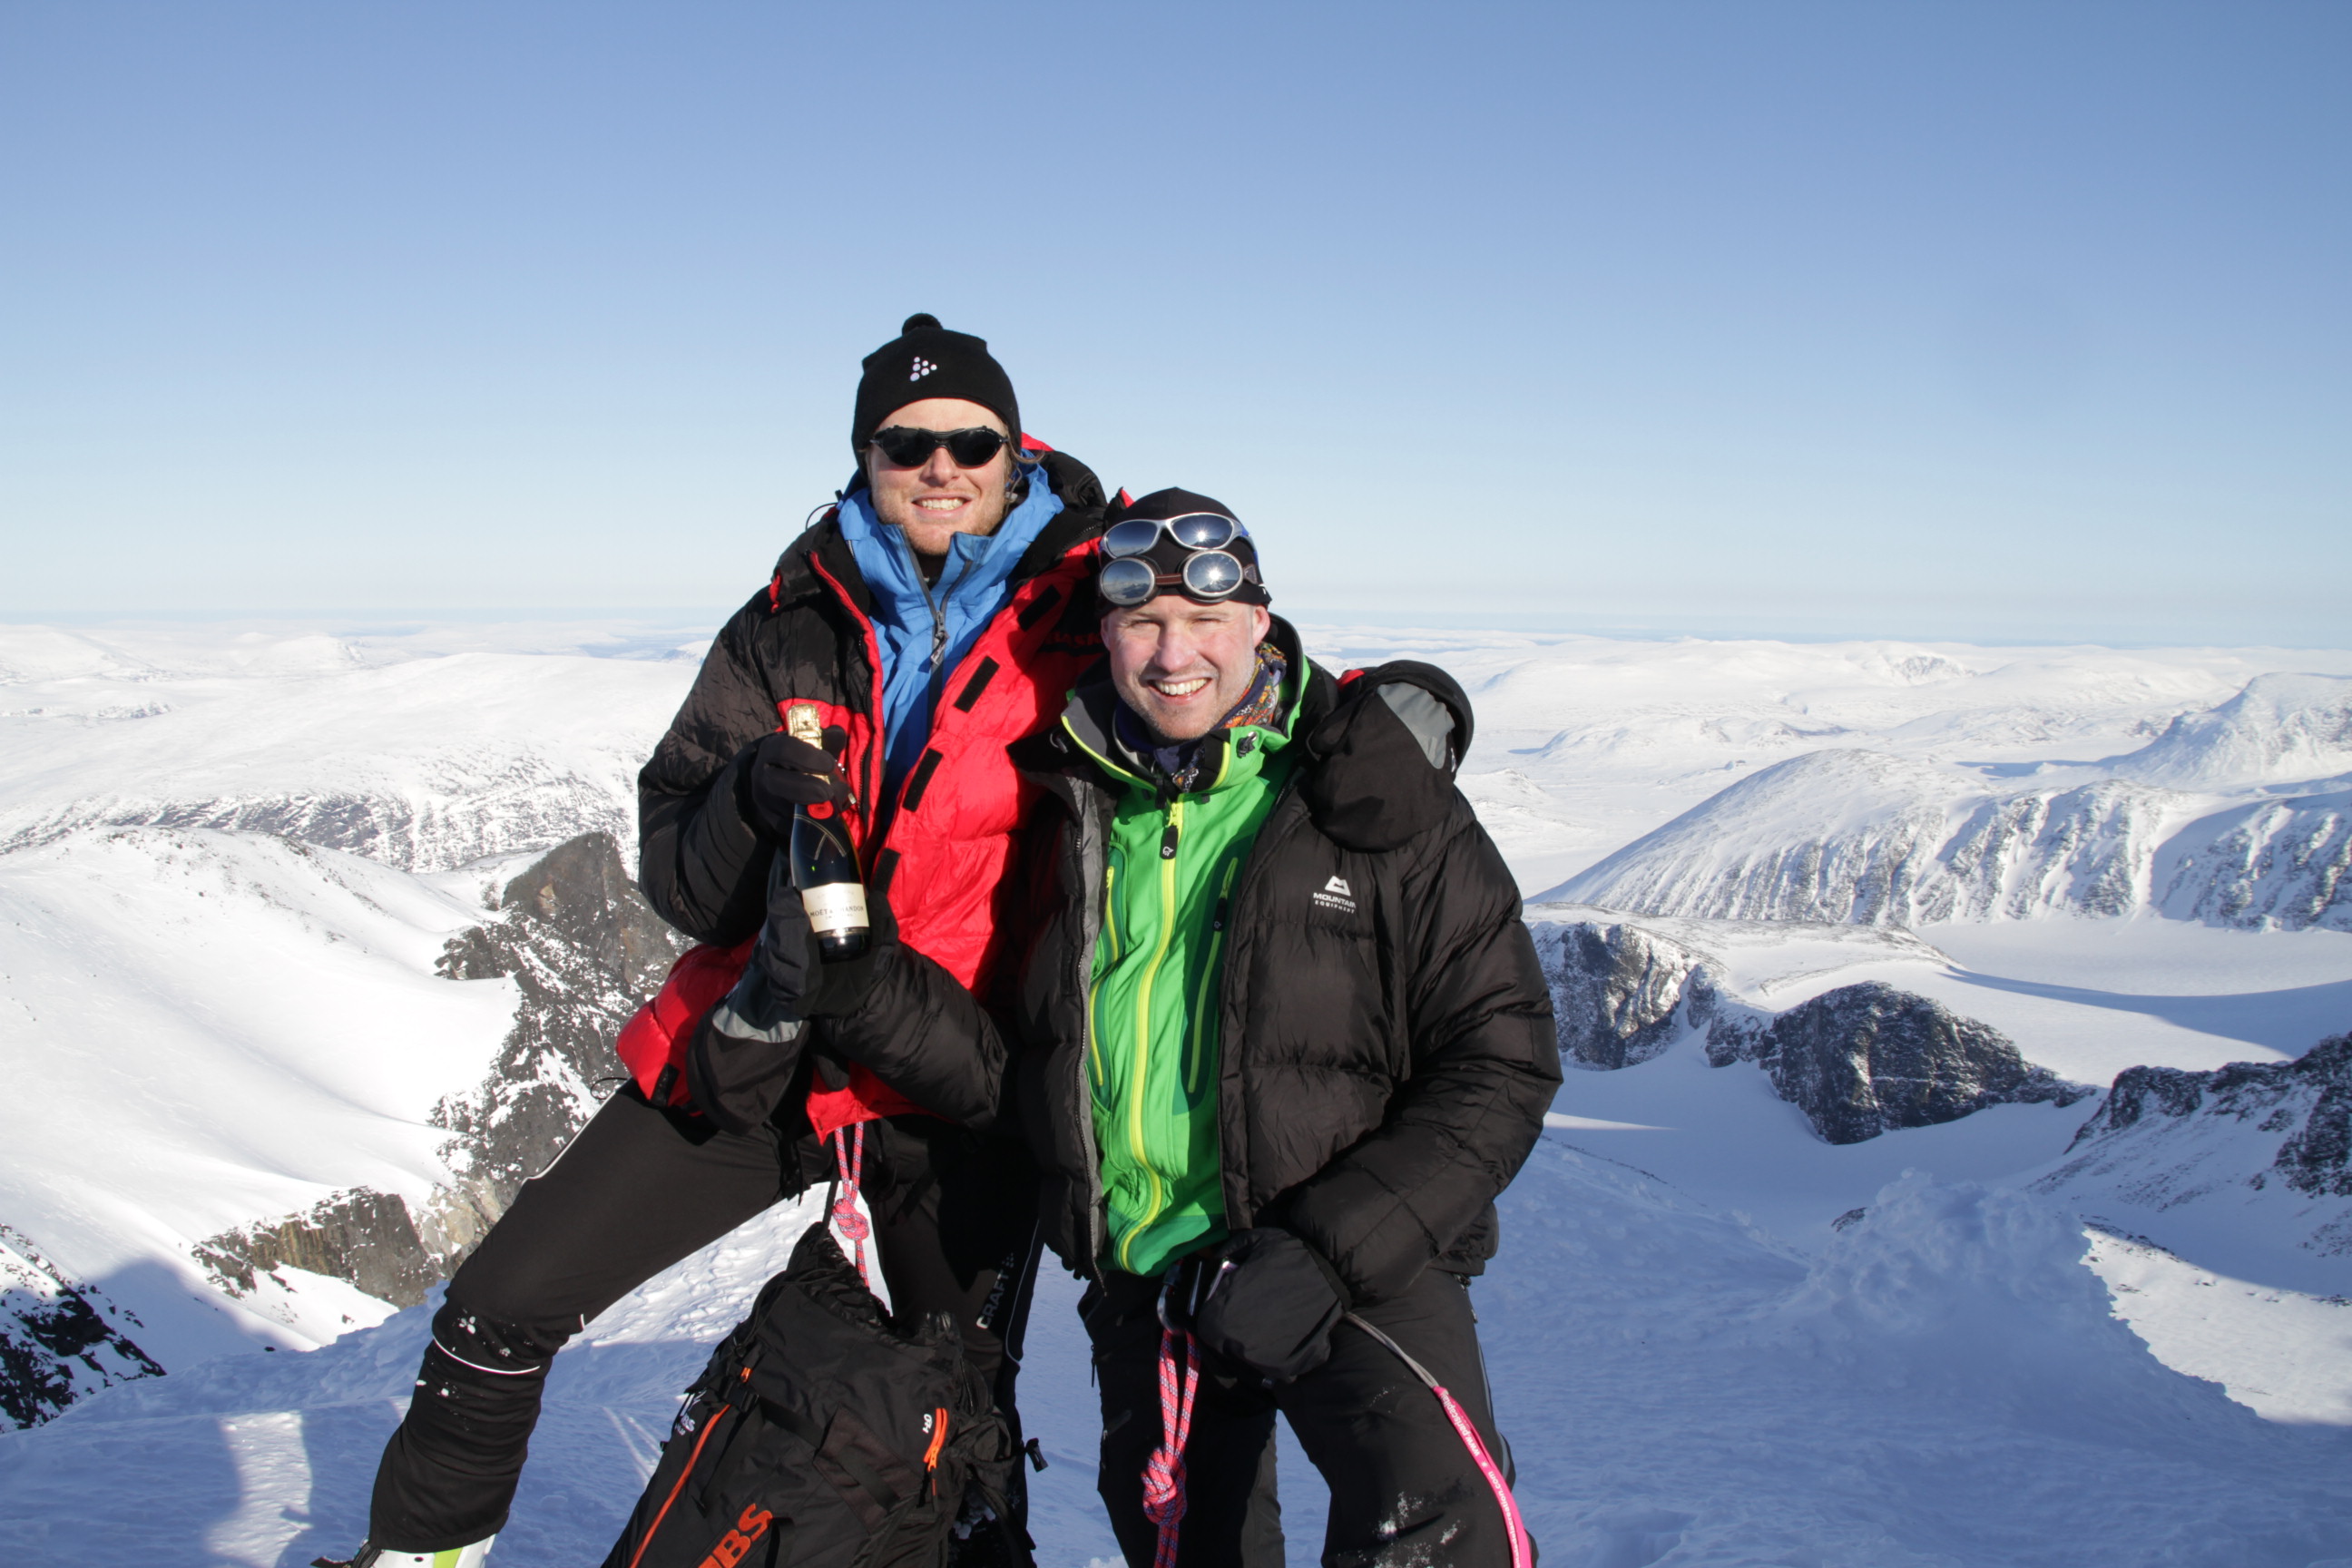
{"x": 1405, "y": 1488}
{"x": 954, "y": 1214}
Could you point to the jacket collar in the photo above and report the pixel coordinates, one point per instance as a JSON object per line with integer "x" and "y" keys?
{"x": 821, "y": 545}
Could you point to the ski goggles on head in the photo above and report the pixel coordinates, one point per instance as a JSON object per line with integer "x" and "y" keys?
{"x": 1211, "y": 571}
{"x": 1209, "y": 576}
{"x": 911, "y": 446}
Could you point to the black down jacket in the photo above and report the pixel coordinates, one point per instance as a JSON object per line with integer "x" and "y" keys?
{"x": 1385, "y": 1070}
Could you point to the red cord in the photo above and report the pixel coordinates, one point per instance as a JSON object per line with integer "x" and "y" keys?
{"x": 1163, "y": 1473}
{"x": 849, "y": 1159}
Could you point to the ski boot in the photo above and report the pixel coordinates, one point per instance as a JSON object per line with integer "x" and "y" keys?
{"x": 371, "y": 1555}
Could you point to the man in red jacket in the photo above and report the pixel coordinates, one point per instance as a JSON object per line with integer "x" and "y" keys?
{"x": 936, "y": 614}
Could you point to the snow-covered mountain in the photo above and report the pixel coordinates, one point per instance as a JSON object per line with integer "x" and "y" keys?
{"x": 2204, "y": 823}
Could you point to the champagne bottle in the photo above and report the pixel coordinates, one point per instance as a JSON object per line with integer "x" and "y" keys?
{"x": 825, "y": 872}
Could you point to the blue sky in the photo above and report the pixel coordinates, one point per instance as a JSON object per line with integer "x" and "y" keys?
{"x": 1982, "y": 321}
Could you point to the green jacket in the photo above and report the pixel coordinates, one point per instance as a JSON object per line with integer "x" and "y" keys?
{"x": 1168, "y": 885}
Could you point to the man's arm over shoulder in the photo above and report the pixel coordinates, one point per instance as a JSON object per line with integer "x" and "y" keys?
{"x": 1486, "y": 1064}
{"x": 700, "y": 861}
{"x": 920, "y": 1031}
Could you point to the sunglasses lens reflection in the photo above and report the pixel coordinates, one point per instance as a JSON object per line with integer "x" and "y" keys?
{"x": 1213, "y": 576}
{"x": 1203, "y": 531}
{"x": 1127, "y": 582}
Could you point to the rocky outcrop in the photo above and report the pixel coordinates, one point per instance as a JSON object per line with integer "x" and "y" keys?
{"x": 583, "y": 949}
{"x": 2284, "y": 864}
{"x": 60, "y": 1340}
{"x": 366, "y": 1238}
{"x": 2307, "y": 1103}
{"x": 1863, "y": 1060}
{"x": 1617, "y": 991}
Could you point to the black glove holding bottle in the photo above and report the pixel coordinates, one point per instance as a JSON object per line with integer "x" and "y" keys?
{"x": 748, "y": 1050}
{"x": 784, "y": 774}
{"x": 1266, "y": 1300}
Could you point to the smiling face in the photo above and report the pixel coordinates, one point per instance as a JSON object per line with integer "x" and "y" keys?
{"x": 1182, "y": 666}
{"x": 935, "y": 501}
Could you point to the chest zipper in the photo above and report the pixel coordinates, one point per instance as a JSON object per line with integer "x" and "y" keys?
{"x": 1208, "y": 974}
{"x": 1158, "y": 1195}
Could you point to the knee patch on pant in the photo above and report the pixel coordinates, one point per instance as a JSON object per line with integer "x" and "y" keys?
{"x": 481, "y": 1344}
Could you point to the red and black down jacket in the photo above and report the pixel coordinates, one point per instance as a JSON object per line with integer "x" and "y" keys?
{"x": 944, "y": 855}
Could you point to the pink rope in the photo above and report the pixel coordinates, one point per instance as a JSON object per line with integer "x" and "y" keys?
{"x": 1523, "y": 1550}
{"x": 849, "y": 1159}
{"x": 1163, "y": 1473}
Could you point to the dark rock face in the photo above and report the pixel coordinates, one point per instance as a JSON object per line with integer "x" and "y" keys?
{"x": 60, "y": 1340}
{"x": 1864, "y": 1058}
{"x": 1615, "y": 990}
{"x": 584, "y": 949}
{"x": 2308, "y": 1099}
{"x": 364, "y": 1237}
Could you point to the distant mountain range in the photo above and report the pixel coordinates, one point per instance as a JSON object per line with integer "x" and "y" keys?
{"x": 2240, "y": 817}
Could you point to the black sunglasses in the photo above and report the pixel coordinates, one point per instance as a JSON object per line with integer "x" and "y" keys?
{"x": 910, "y": 447}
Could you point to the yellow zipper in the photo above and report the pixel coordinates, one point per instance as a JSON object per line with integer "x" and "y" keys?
{"x": 1143, "y": 1036}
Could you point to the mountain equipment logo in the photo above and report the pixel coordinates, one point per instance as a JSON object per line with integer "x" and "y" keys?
{"x": 1334, "y": 895}
{"x": 923, "y": 367}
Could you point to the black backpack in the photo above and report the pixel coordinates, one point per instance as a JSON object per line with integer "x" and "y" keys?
{"x": 825, "y": 1434}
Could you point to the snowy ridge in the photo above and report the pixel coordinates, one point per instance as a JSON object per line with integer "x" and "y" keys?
{"x": 413, "y": 757}
{"x": 1884, "y": 839}
{"x": 2280, "y": 729}
{"x": 1943, "y": 1387}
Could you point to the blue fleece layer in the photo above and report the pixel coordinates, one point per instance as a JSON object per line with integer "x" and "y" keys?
{"x": 972, "y": 586}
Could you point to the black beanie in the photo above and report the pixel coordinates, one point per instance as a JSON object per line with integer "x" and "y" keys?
{"x": 1168, "y": 557}
{"x": 925, "y": 360}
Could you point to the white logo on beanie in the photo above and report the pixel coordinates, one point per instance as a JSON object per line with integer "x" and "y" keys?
{"x": 923, "y": 367}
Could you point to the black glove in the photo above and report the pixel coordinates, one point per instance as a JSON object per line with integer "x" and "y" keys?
{"x": 1269, "y": 1302}
{"x": 745, "y": 1051}
{"x": 784, "y": 775}
{"x": 798, "y": 974}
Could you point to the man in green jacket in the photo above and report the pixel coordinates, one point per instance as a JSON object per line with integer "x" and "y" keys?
{"x": 1281, "y": 1038}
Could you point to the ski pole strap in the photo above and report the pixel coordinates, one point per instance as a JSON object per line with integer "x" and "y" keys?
{"x": 1163, "y": 1473}
{"x": 1523, "y": 1552}
{"x": 849, "y": 1162}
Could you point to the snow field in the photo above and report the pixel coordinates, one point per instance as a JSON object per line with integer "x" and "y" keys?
{"x": 1943, "y": 1385}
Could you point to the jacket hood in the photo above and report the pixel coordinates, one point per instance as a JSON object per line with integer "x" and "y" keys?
{"x": 1381, "y": 755}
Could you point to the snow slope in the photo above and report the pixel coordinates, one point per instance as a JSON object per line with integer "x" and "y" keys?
{"x": 1943, "y": 1386}
{"x": 227, "y": 1026}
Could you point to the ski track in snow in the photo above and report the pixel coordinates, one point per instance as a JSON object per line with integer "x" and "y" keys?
{"x": 1692, "y": 1365}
